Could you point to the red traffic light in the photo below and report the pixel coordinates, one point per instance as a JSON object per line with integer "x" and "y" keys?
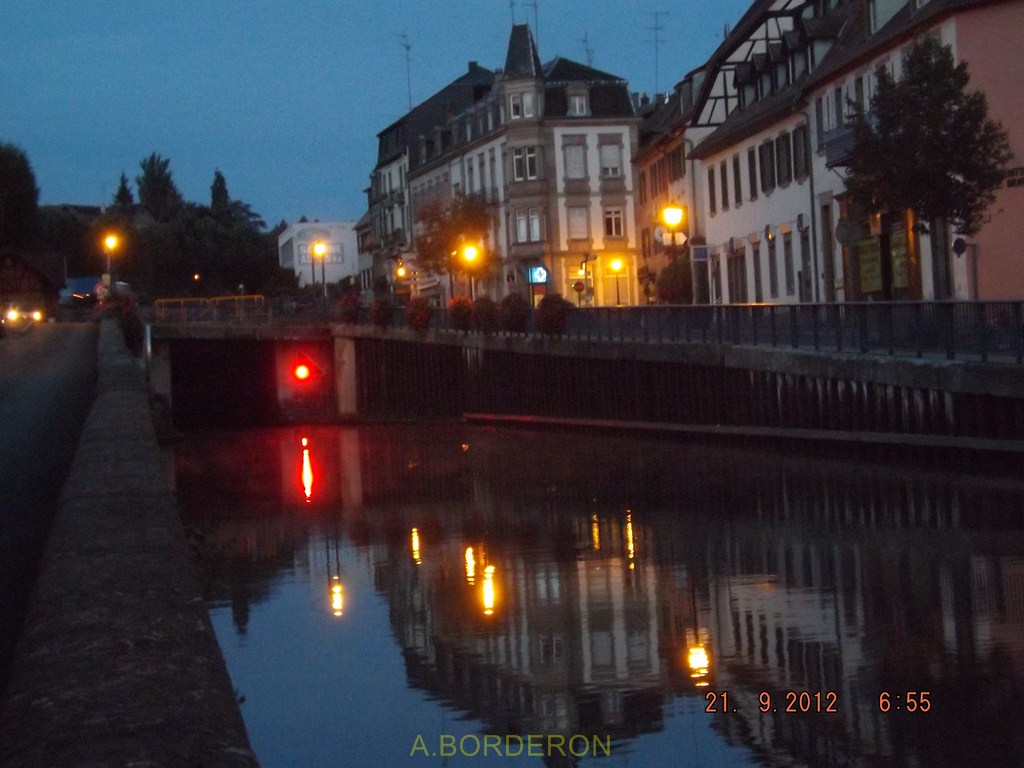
{"x": 305, "y": 370}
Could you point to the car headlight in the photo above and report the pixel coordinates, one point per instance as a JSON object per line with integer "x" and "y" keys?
{"x": 12, "y": 315}
{"x": 37, "y": 315}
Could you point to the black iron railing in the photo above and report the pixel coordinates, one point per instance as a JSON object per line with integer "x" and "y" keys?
{"x": 985, "y": 331}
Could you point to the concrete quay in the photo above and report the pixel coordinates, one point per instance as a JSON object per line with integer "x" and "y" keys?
{"x": 117, "y": 664}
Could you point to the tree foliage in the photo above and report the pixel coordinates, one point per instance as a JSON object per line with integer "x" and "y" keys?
{"x": 927, "y": 144}
{"x": 445, "y": 229}
{"x": 123, "y": 198}
{"x": 675, "y": 282}
{"x": 158, "y": 193}
{"x": 19, "y": 196}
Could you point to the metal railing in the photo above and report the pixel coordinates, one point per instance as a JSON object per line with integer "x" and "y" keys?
{"x": 986, "y": 331}
{"x": 222, "y": 309}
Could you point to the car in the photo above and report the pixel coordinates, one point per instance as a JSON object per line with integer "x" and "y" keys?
{"x": 21, "y": 314}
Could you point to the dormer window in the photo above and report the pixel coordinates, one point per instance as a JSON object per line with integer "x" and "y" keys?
{"x": 578, "y": 106}
{"x": 521, "y": 105}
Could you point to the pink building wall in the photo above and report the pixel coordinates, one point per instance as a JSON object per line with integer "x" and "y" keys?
{"x": 989, "y": 40}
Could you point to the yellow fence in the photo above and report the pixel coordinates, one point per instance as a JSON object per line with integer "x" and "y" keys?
{"x": 216, "y": 309}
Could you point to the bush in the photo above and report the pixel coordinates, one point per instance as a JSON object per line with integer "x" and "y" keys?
{"x": 485, "y": 315}
{"x": 348, "y": 308}
{"x": 380, "y": 312}
{"x": 675, "y": 282}
{"x": 417, "y": 314}
{"x": 460, "y": 313}
{"x": 514, "y": 313}
{"x": 551, "y": 314}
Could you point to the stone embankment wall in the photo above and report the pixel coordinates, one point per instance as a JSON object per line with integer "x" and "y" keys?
{"x": 118, "y": 664}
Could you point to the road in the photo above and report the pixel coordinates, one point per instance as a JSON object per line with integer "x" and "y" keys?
{"x": 47, "y": 384}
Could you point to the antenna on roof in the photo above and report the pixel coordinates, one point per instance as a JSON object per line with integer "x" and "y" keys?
{"x": 536, "y": 24}
{"x": 587, "y": 49}
{"x": 408, "y": 69}
{"x": 512, "y": 10}
{"x": 657, "y": 28}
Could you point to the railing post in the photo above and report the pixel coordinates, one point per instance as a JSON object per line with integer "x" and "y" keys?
{"x": 863, "y": 327}
{"x": 794, "y": 327}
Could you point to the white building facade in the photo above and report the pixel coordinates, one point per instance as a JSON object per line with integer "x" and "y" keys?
{"x": 341, "y": 258}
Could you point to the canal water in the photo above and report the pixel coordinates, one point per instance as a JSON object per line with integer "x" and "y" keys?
{"x": 447, "y": 595}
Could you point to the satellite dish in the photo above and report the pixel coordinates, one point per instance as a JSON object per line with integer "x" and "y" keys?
{"x": 847, "y": 232}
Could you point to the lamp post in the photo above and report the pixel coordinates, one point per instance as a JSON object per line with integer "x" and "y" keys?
{"x": 320, "y": 252}
{"x": 110, "y": 244}
{"x": 617, "y": 268}
{"x": 470, "y": 256}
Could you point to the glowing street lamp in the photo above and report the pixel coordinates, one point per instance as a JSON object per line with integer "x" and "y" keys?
{"x": 320, "y": 252}
{"x": 110, "y": 244}
{"x": 470, "y": 254}
{"x": 617, "y": 268}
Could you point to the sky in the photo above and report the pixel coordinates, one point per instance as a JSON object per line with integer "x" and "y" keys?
{"x": 286, "y": 98}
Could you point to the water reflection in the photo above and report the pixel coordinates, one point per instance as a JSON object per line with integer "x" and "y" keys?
{"x": 676, "y": 599}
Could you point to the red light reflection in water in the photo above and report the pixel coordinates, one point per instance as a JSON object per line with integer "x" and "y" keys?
{"x": 307, "y": 471}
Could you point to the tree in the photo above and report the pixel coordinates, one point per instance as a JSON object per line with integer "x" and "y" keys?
{"x": 157, "y": 192}
{"x": 19, "y": 196}
{"x": 123, "y": 199}
{"x": 927, "y": 145}
{"x": 675, "y": 282}
{"x": 220, "y": 201}
{"x": 445, "y": 229}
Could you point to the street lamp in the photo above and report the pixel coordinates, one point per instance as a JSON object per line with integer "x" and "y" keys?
{"x": 320, "y": 252}
{"x": 110, "y": 244}
{"x": 617, "y": 268}
{"x": 470, "y": 256}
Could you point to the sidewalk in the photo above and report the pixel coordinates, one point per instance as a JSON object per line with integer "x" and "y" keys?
{"x": 118, "y": 664}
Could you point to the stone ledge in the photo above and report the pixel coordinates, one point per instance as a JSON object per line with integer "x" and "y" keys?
{"x": 118, "y": 664}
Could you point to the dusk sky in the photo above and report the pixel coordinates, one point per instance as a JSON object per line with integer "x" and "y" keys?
{"x": 284, "y": 98}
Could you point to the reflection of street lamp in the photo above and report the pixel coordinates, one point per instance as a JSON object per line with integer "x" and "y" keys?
{"x": 617, "y": 268}
{"x": 320, "y": 252}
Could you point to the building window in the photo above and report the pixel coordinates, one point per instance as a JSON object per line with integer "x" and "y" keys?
{"x": 578, "y": 229}
{"x": 528, "y": 225}
{"x": 767, "y": 151}
{"x": 787, "y": 262}
{"x": 521, "y": 105}
{"x": 783, "y": 161}
{"x": 577, "y": 104}
{"x": 613, "y": 223}
{"x": 723, "y": 172}
{"x": 819, "y": 120}
{"x": 575, "y": 161}
{"x": 752, "y": 172}
{"x": 737, "y": 191}
{"x": 773, "y": 268}
{"x": 524, "y": 163}
{"x": 800, "y": 152}
{"x": 712, "y": 197}
{"x": 611, "y": 160}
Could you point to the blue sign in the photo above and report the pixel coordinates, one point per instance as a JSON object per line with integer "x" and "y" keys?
{"x": 538, "y": 275}
{"x": 698, "y": 253}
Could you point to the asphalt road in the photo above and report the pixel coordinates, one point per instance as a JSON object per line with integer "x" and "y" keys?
{"x": 47, "y": 385}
